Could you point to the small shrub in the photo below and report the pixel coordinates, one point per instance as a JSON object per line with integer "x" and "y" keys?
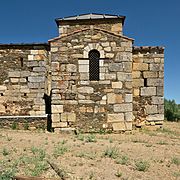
{"x": 14, "y": 126}
{"x": 5, "y": 152}
{"x": 91, "y": 138}
{"x": 118, "y": 174}
{"x": 123, "y": 160}
{"x": 175, "y": 160}
{"x": 111, "y": 152}
{"x": 142, "y": 165}
{"x": 80, "y": 137}
{"x": 59, "y": 150}
{"x": 26, "y": 126}
{"x": 162, "y": 143}
{"x": 7, "y": 174}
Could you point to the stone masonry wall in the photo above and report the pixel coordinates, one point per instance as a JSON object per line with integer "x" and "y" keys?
{"x": 23, "y": 79}
{"x": 148, "y": 86}
{"x": 88, "y": 105}
{"x": 114, "y": 26}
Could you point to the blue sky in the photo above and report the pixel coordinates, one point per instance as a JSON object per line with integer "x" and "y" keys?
{"x": 150, "y": 23}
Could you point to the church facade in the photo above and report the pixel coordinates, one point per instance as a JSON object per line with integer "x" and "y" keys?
{"x": 90, "y": 78}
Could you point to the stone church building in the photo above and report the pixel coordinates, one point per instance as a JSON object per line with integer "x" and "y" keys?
{"x": 90, "y": 78}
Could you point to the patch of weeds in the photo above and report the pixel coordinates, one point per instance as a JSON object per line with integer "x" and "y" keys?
{"x": 176, "y": 174}
{"x": 123, "y": 160}
{"x": 7, "y": 174}
{"x": 5, "y": 152}
{"x": 118, "y": 174}
{"x": 162, "y": 143}
{"x": 26, "y": 126}
{"x": 111, "y": 152}
{"x": 175, "y": 160}
{"x": 168, "y": 131}
{"x": 59, "y": 150}
{"x": 139, "y": 141}
{"x": 37, "y": 169}
{"x": 9, "y": 138}
{"x": 14, "y": 125}
{"x": 91, "y": 176}
{"x": 110, "y": 140}
{"x": 80, "y": 137}
{"x": 39, "y": 153}
{"x": 91, "y": 138}
{"x": 148, "y": 145}
{"x": 86, "y": 155}
{"x": 142, "y": 165}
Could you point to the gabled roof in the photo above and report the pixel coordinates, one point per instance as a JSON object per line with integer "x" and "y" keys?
{"x": 87, "y": 29}
{"x": 90, "y": 17}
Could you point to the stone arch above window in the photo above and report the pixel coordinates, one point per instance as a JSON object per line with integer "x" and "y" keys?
{"x": 94, "y": 69}
{"x": 91, "y": 47}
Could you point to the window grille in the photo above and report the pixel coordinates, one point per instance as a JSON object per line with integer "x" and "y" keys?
{"x": 94, "y": 56}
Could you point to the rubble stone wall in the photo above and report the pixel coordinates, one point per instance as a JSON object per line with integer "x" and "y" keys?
{"x": 148, "y": 85}
{"x": 88, "y": 105}
{"x": 23, "y": 72}
{"x": 115, "y": 26}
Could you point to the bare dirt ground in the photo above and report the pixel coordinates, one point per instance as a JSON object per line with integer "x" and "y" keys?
{"x": 142, "y": 154}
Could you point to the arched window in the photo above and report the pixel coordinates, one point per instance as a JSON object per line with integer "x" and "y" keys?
{"x": 94, "y": 56}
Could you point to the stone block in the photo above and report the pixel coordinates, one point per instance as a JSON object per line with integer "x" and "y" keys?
{"x": 115, "y": 117}
{"x": 160, "y": 91}
{"x": 86, "y": 102}
{"x": 64, "y": 117}
{"x": 110, "y": 76}
{"x": 127, "y": 66}
{"x": 140, "y": 66}
{"x": 122, "y": 126}
{"x": 55, "y": 117}
{"x": 155, "y": 82}
{"x": 105, "y": 82}
{"x": 3, "y": 88}
{"x": 109, "y": 55}
{"x": 57, "y": 109}
{"x": 83, "y": 68}
{"x": 37, "y": 79}
{"x": 14, "y": 74}
{"x": 161, "y": 109}
{"x": 148, "y": 91}
{"x": 128, "y": 98}
{"x": 157, "y": 100}
{"x": 105, "y": 44}
{"x": 84, "y": 76}
{"x": 136, "y": 92}
{"x": 128, "y": 85}
{"x": 71, "y": 117}
{"x": 149, "y": 74}
{"x": 123, "y": 107}
{"x": 39, "y": 69}
{"x": 14, "y": 80}
{"x": 117, "y": 85}
{"x": 71, "y": 68}
{"x": 60, "y": 125}
{"x": 2, "y": 108}
{"x": 138, "y": 83}
{"x": 115, "y": 67}
{"x": 55, "y": 66}
{"x": 155, "y": 117}
{"x": 121, "y": 76}
{"x": 114, "y": 98}
{"x": 85, "y": 90}
{"x": 34, "y": 52}
{"x": 156, "y": 67}
{"x": 30, "y": 57}
{"x": 107, "y": 49}
{"x": 128, "y": 116}
{"x": 86, "y": 62}
{"x": 32, "y": 63}
{"x": 151, "y": 109}
{"x": 136, "y": 74}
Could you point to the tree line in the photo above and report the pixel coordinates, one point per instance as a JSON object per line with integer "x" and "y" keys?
{"x": 171, "y": 110}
